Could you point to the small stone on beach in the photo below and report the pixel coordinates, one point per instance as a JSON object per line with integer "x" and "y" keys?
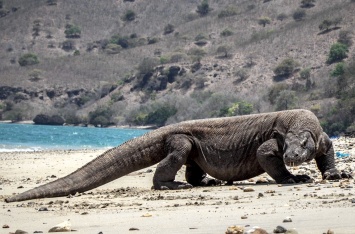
{"x": 235, "y": 230}
{"x": 248, "y": 189}
{"x": 43, "y": 209}
{"x": 287, "y": 220}
{"x": 280, "y": 229}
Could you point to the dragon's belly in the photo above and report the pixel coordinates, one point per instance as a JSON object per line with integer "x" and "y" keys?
{"x": 230, "y": 165}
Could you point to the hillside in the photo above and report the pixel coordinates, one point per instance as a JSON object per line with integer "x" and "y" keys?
{"x": 158, "y": 62}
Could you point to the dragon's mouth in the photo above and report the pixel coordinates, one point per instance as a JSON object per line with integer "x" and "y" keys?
{"x": 293, "y": 163}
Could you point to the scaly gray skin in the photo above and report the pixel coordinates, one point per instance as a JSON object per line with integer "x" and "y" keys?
{"x": 229, "y": 149}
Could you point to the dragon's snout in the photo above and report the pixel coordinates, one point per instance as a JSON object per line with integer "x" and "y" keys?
{"x": 293, "y": 157}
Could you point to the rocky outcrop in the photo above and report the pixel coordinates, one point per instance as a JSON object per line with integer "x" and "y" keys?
{"x": 48, "y": 120}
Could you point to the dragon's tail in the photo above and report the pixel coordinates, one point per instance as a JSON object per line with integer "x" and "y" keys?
{"x": 133, "y": 155}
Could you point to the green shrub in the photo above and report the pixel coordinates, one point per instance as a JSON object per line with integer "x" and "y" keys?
{"x": 338, "y": 52}
{"x": 197, "y": 52}
{"x": 169, "y": 28}
{"x": 286, "y": 67}
{"x": 299, "y": 14}
{"x": 239, "y": 108}
{"x": 286, "y": 100}
{"x": 35, "y": 74}
{"x": 68, "y": 45}
{"x": 224, "y": 50}
{"x": 281, "y": 16}
{"x": 51, "y": 2}
{"x": 72, "y": 31}
{"x": 177, "y": 57}
{"x": 28, "y": 59}
{"x": 264, "y": 21}
{"x": 226, "y": 33}
{"x": 100, "y": 116}
{"x": 129, "y": 15}
{"x": 275, "y": 91}
{"x": 345, "y": 38}
{"x": 203, "y": 8}
{"x": 152, "y": 40}
{"x": 200, "y": 37}
{"x": 160, "y": 115}
{"x": 164, "y": 59}
{"x": 76, "y": 53}
{"x": 230, "y": 11}
{"x": 73, "y": 119}
{"x": 116, "y": 97}
{"x": 260, "y": 35}
{"x": 339, "y": 70}
{"x": 307, "y": 3}
{"x": 242, "y": 73}
{"x": 15, "y": 115}
{"x": 113, "y": 48}
{"x": 305, "y": 73}
{"x": 325, "y": 25}
{"x": 147, "y": 65}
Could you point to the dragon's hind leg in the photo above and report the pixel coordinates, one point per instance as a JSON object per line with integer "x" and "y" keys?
{"x": 178, "y": 148}
{"x": 197, "y": 177}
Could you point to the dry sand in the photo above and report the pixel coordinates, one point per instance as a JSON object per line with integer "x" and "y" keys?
{"x": 128, "y": 203}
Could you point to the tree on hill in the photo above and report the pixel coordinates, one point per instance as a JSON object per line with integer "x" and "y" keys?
{"x": 203, "y": 8}
{"x": 264, "y": 21}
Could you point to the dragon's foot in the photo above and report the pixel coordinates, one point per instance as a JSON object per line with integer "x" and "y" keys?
{"x": 210, "y": 182}
{"x": 293, "y": 179}
{"x": 173, "y": 185}
{"x": 334, "y": 174}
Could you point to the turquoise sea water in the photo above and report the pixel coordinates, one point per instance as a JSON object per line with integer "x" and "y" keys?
{"x": 28, "y": 137}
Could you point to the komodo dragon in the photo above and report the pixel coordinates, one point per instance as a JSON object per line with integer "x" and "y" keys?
{"x": 229, "y": 149}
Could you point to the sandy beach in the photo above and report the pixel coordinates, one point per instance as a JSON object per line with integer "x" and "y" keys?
{"x": 128, "y": 204}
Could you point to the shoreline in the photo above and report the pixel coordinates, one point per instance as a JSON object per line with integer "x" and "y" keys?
{"x": 30, "y": 122}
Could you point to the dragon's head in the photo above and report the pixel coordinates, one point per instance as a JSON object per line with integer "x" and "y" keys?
{"x": 298, "y": 148}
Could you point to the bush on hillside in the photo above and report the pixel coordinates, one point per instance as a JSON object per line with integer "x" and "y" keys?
{"x": 169, "y": 28}
{"x": 275, "y": 91}
{"x": 325, "y": 25}
{"x": 237, "y": 108}
{"x": 281, "y": 16}
{"x": 286, "y": 100}
{"x": 68, "y": 45}
{"x": 196, "y": 54}
{"x": 35, "y": 74}
{"x": 147, "y": 65}
{"x": 28, "y": 59}
{"x": 101, "y": 116}
{"x": 72, "y": 31}
{"x": 338, "y": 52}
{"x": 230, "y": 11}
{"x": 242, "y": 73}
{"x": 345, "y": 37}
{"x": 224, "y": 51}
{"x": 299, "y": 14}
{"x": 113, "y": 48}
{"x": 51, "y": 2}
{"x": 226, "y": 33}
{"x": 305, "y": 73}
{"x": 307, "y": 3}
{"x": 129, "y": 15}
{"x": 264, "y": 21}
{"x": 286, "y": 67}
{"x": 339, "y": 70}
{"x": 203, "y": 8}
